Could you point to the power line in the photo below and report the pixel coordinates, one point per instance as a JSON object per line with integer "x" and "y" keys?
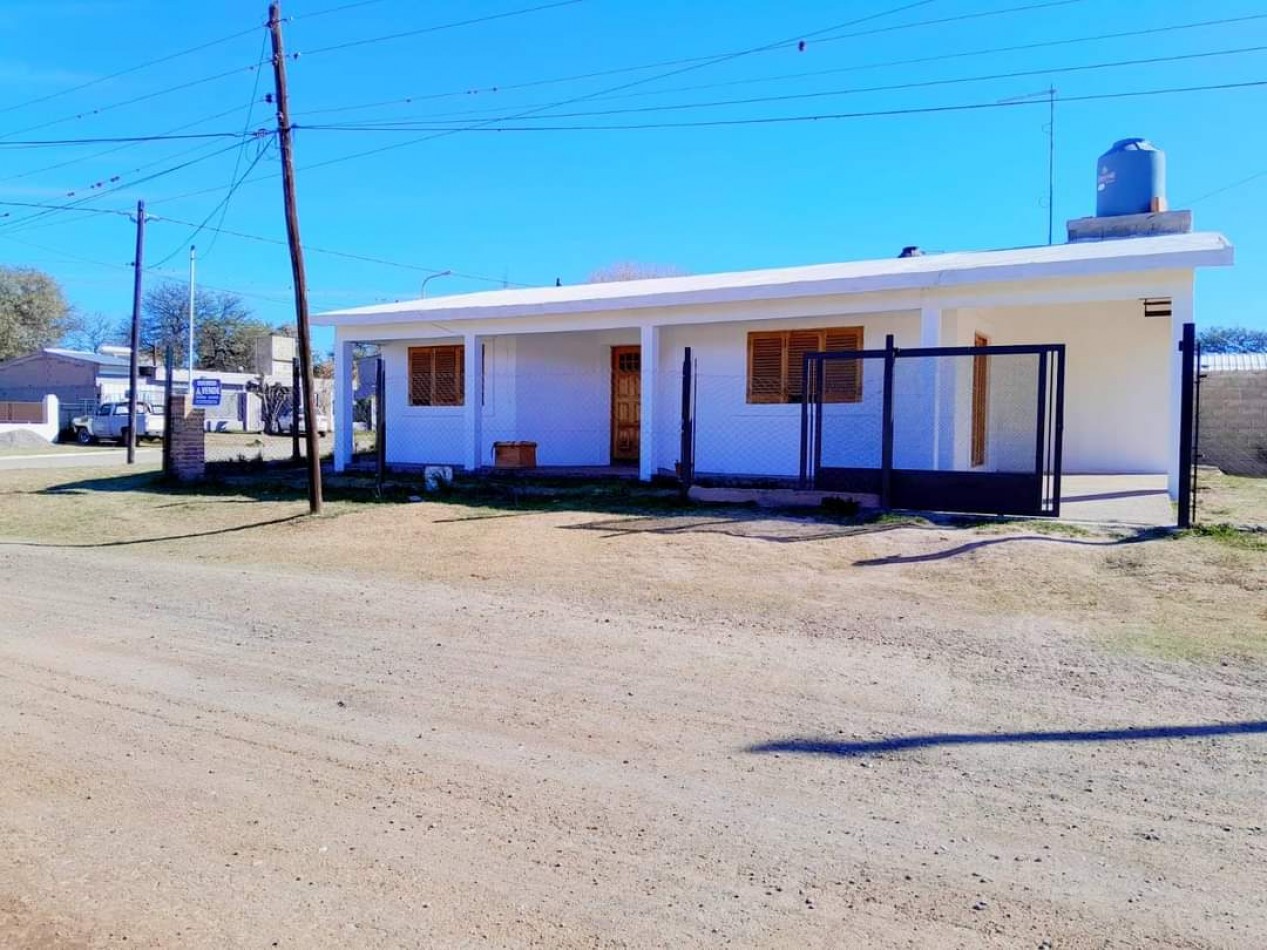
{"x": 114, "y": 139}
{"x": 399, "y": 124}
{"x": 112, "y": 151}
{"x": 727, "y": 57}
{"x": 662, "y": 63}
{"x": 128, "y": 184}
{"x": 124, "y": 72}
{"x": 338, "y": 9}
{"x": 1229, "y": 187}
{"x": 246, "y": 125}
{"x": 223, "y": 205}
{"x": 437, "y": 28}
{"x": 364, "y": 258}
{"x": 1098, "y": 37}
{"x": 134, "y": 100}
{"x": 775, "y": 120}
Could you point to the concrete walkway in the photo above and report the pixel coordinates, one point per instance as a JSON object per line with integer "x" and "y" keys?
{"x": 1126, "y": 499}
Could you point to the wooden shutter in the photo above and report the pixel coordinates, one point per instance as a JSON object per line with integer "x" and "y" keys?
{"x": 436, "y": 375}
{"x": 842, "y": 379}
{"x": 765, "y": 367}
{"x": 799, "y": 342}
{"x": 420, "y": 375}
{"x": 448, "y": 375}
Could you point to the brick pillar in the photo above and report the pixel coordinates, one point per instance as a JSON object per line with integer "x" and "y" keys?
{"x": 187, "y": 437}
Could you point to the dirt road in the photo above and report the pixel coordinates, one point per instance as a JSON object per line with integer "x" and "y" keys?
{"x": 197, "y": 751}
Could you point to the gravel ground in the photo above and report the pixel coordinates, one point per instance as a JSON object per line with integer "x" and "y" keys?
{"x": 428, "y": 725}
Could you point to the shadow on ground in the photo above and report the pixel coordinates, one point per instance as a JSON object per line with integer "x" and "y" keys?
{"x": 847, "y": 750}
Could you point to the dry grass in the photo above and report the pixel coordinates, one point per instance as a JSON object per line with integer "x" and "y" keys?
{"x": 1231, "y": 499}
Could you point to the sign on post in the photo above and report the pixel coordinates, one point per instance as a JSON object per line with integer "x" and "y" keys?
{"x": 206, "y": 393}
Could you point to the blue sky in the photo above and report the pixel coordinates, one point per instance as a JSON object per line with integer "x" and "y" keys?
{"x": 530, "y": 206}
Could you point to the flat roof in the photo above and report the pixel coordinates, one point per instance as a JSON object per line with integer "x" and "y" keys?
{"x": 1083, "y": 259}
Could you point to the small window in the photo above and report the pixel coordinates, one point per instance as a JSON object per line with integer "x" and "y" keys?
{"x": 436, "y": 375}
{"x": 776, "y": 362}
{"x": 105, "y": 410}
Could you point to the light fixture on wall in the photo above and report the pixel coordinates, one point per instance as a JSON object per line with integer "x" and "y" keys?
{"x": 1157, "y": 307}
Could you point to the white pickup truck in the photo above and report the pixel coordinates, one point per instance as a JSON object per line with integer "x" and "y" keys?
{"x": 110, "y": 421}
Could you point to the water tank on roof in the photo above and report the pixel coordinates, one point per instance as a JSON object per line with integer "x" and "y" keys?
{"x": 1130, "y": 179}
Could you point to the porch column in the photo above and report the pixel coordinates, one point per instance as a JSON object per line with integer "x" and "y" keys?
{"x": 344, "y": 403}
{"x": 650, "y": 355}
{"x": 930, "y": 325}
{"x": 473, "y": 373}
{"x": 1181, "y": 312}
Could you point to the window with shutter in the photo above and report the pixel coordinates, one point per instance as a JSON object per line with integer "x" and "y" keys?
{"x": 842, "y": 379}
{"x": 765, "y": 368}
{"x": 776, "y": 365}
{"x": 436, "y": 375}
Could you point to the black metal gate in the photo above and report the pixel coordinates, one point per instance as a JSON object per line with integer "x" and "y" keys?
{"x": 965, "y": 429}
{"x": 1189, "y": 424}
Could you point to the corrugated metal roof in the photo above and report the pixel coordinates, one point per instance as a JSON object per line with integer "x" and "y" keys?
{"x": 100, "y": 359}
{"x": 1234, "y": 362}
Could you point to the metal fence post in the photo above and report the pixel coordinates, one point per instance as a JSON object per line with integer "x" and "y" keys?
{"x": 886, "y": 450}
{"x": 167, "y": 412}
{"x": 380, "y": 422}
{"x": 1188, "y": 349}
{"x": 294, "y": 410}
{"x": 686, "y": 451}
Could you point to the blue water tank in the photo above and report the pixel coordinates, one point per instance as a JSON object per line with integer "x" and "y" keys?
{"x": 1129, "y": 176}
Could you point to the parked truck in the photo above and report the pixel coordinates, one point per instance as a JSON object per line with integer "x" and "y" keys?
{"x": 110, "y": 421}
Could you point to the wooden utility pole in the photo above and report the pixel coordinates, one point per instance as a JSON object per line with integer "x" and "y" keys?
{"x": 133, "y": 365}
{"x": 296, "y": 260}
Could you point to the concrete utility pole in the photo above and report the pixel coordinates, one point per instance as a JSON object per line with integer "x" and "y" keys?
{"x": 296, "y": 259}
{"x": 133, "y": 366}
{"x": 190, "y": 354}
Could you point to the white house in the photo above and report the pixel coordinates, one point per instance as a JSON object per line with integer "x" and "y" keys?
{"x": 592, "y": 373}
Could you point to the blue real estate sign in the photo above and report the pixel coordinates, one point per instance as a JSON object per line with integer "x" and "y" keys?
{"x": 206, "y": 393}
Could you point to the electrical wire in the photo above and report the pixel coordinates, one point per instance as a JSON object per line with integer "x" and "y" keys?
{"x": 727, "y": 57}
{"x": 246, "y": 125}
{"x": 179, "y": 87}
{"x": 439, "y": 27}
{"x": 578, "y": 77}
{"x": 1025, "y": 47}
{"x": 338, "y": 9}
{"x": 222, "y": 206}
{"x": 364, "y": 258}
{"x": 112, "y": 139}
{"x": 775, "y": 120}
{"x": 399, "y": 124}
{"x": 125, "y": 72}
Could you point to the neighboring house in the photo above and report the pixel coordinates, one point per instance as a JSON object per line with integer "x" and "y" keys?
{"x": 592, "y": 373}
{"x": 78, "y": 380}
{"x": 1232, "y": 434}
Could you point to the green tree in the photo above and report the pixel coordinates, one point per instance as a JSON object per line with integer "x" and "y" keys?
{"x": 1233, "y": 340}
{"x": 33, "y": 311}
{"x": 225, "y": 329}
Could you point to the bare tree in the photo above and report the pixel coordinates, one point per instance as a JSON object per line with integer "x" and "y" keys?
{"x": 632, "y": 270}
{"x": 89, "y": 332}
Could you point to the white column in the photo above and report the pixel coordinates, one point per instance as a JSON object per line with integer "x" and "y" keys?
{"x": 930, "y": 335}
{"x": 1181, "y": 312}
{"x": 474, "y": 412}
{"x": 344, "y": 402}
{"x": 650, "y": 355}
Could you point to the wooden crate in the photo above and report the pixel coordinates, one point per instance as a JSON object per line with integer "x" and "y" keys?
{"x": 514, "y": 454}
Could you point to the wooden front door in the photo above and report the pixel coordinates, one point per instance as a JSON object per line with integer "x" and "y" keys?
{"x": 980, "y": 402}
{"x": 626, "y": 403}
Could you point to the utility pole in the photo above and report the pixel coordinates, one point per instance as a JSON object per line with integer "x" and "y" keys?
{"x": 190, "y": 354}
{"x": 133, "y": 367}
{"x": 296, "y": 259}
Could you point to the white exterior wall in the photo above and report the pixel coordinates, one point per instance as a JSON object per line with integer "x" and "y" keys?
{"x": 1117, "y": 379}
{"x": 552, "y": 385}
{"x": 738, "y": 438}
